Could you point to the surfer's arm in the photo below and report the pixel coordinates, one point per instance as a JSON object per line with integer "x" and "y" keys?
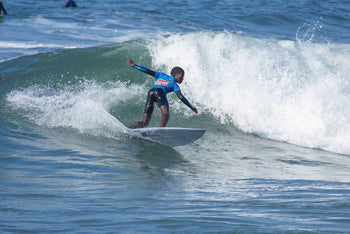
{"x": 186, "y": 102}
{"x": 140, "y": 68}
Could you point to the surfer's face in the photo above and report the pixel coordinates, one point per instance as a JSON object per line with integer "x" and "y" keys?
{"x": 179, "y": 77}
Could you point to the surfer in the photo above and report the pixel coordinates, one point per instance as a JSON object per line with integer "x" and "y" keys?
{"x": 163, "y": 85}
{"x": 2, "y": 8}
{"x": 70, "y": 3}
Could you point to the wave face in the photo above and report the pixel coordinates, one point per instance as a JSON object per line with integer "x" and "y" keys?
{"x": 296, "y": 92}
{"x": 70, "y": 91}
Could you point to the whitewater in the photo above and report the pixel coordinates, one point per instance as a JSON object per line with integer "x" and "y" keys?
{"x": 289, "y": 91}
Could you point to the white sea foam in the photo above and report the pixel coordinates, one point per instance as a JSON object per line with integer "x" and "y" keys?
{"x": 283, "y": 90}
{"x": 84, "y": 107}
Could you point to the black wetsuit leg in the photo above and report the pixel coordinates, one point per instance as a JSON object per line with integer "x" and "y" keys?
{"x": 155, "y": 95}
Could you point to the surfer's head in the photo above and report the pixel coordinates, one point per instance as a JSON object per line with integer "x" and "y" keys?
{"x": 178, "y": 73}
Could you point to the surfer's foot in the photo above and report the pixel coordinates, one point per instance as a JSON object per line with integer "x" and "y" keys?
{"x": 143, "y": 123}
{"x": 138, "y": 124}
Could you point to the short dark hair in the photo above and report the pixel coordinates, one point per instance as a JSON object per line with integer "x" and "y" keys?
{"x": 177, "y": 70}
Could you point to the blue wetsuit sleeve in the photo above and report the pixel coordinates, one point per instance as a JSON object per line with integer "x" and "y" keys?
{"x": 184, "y": 100}
{"x": 145, "y": 70}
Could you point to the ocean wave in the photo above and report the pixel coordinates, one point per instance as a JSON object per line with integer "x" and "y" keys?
{"x": 283, "y": 90}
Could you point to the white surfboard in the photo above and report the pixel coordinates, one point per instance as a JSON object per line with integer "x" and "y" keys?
{"x": 170, "y": 136}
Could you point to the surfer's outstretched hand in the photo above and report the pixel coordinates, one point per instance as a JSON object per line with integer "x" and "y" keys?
{"x": 194, "y": 109}
{"x": 129, "y": 62}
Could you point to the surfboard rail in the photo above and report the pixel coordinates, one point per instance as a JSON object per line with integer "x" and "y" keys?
{"x": 170, "y": 136}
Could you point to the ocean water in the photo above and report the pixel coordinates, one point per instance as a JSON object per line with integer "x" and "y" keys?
{"x": 270, "y": 80}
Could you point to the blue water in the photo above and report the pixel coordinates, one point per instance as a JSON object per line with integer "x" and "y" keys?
{"x": 270, "y": 80}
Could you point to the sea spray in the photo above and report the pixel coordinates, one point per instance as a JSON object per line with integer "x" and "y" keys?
{"x": 84, "y": 106}
{"x": 286, "y": 91}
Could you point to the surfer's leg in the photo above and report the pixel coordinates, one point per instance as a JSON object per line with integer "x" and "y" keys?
{"x": 147, "y": 112}
{"x": 138, "y": 124}
{"x": 146, "y": 118}
{"x": 163, "y": 105}
{"x": 165, "y": 115}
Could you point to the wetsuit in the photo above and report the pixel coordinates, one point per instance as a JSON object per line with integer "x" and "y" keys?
{"x": 2, "y": 8}
{"x": 161, "y": 87}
